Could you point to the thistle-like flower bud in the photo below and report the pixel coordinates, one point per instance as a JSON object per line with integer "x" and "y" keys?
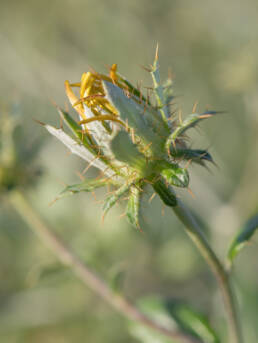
{"x": 134, "y": 140}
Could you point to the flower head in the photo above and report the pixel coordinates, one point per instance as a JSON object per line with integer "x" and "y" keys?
{"x": 134, "y": 140}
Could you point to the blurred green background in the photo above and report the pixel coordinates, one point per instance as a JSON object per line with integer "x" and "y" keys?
{"x": 212, "y": 49}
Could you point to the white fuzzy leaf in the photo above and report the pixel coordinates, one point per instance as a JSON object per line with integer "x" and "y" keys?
{"x": 78, "y": 149}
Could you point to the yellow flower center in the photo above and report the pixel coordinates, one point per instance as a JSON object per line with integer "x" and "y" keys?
{"x": 91, "y": 94}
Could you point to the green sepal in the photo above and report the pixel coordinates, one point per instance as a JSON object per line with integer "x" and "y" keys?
{"x": 165, "y": 192}
{"x": 144, "y": 121}
{"x": 86, "y": 186}
{"x": 133, "y": 207}
{"x": 242, "y": 238}
{"x": 191, "y": 121}
{"x": 176, "y": 176}
{"x": 126, "y": 151}
{"x": 112, "y": 199}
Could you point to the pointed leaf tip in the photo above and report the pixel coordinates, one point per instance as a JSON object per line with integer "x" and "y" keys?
{"x": 242, "y": 238}
{"x": 189, "y": 122}
{"x": 198, "y": 156}
{"x": 88, "y": 185}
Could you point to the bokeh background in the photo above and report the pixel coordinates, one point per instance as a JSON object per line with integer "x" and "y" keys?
{"x": 211, "y": 48}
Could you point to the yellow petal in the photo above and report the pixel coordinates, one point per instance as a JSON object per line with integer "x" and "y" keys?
{"x": 112, "y": 73}
{"x": 84, "y": 83}
{"x": 73, "y": 99}
{"x": 102, "y": 118}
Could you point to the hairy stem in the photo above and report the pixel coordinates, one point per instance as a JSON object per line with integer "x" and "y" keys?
{"x": 85, "y": 274}
{"x": 194, "y": 232}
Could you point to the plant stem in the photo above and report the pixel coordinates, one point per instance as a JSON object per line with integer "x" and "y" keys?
{"x": 85, "y": 274}
{"x": 194, "y": 232}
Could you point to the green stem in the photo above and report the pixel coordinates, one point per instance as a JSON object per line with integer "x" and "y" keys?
{"x": 194, "y": 232}
{"x": 85, "y": 274}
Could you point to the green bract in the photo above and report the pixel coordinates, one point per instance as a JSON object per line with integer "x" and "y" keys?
{"x": 133, "y": 140}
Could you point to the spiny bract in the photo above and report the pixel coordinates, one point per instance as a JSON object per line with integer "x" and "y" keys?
{"x": 132, "y": 141}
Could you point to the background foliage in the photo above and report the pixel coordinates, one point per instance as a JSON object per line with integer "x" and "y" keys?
{"x": 212, "y": 50}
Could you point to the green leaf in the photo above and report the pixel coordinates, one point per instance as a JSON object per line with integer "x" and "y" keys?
{"x": 86, "y": 186}
{"x": 116, "y": 280}
{"x": 174, "y": 315}
{"x": 144, "y": 121}
{"x": 242, "y": 238}
{"x": 126, "y": 151}
{"x": 154, "y": 308}
{"x": 133, "y": 207}
{"x": 176, "y": 176}
{"x": 195, "y": 155}
{"x": 112, "y": 199}
{"x": 165, "y": 192}
{"x": 191, "y": 321}
{"x": 191, "y": 121}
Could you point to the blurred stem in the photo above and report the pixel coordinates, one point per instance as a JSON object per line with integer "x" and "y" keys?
{"x": 84, "y": 273}
{"x": 194, "y": 232}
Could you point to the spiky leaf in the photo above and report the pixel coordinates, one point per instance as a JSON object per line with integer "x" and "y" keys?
{"x": 195, "y": 155}
{"x": 133, "y": 207}
{"x": 242, "y": 238}
{"x": 136, "y": 116}
{"x": 191, "y": 121}
{"x": 86, "y": 186}
{"x": 158, "y": 91}
{"x": 113, "y": 198}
